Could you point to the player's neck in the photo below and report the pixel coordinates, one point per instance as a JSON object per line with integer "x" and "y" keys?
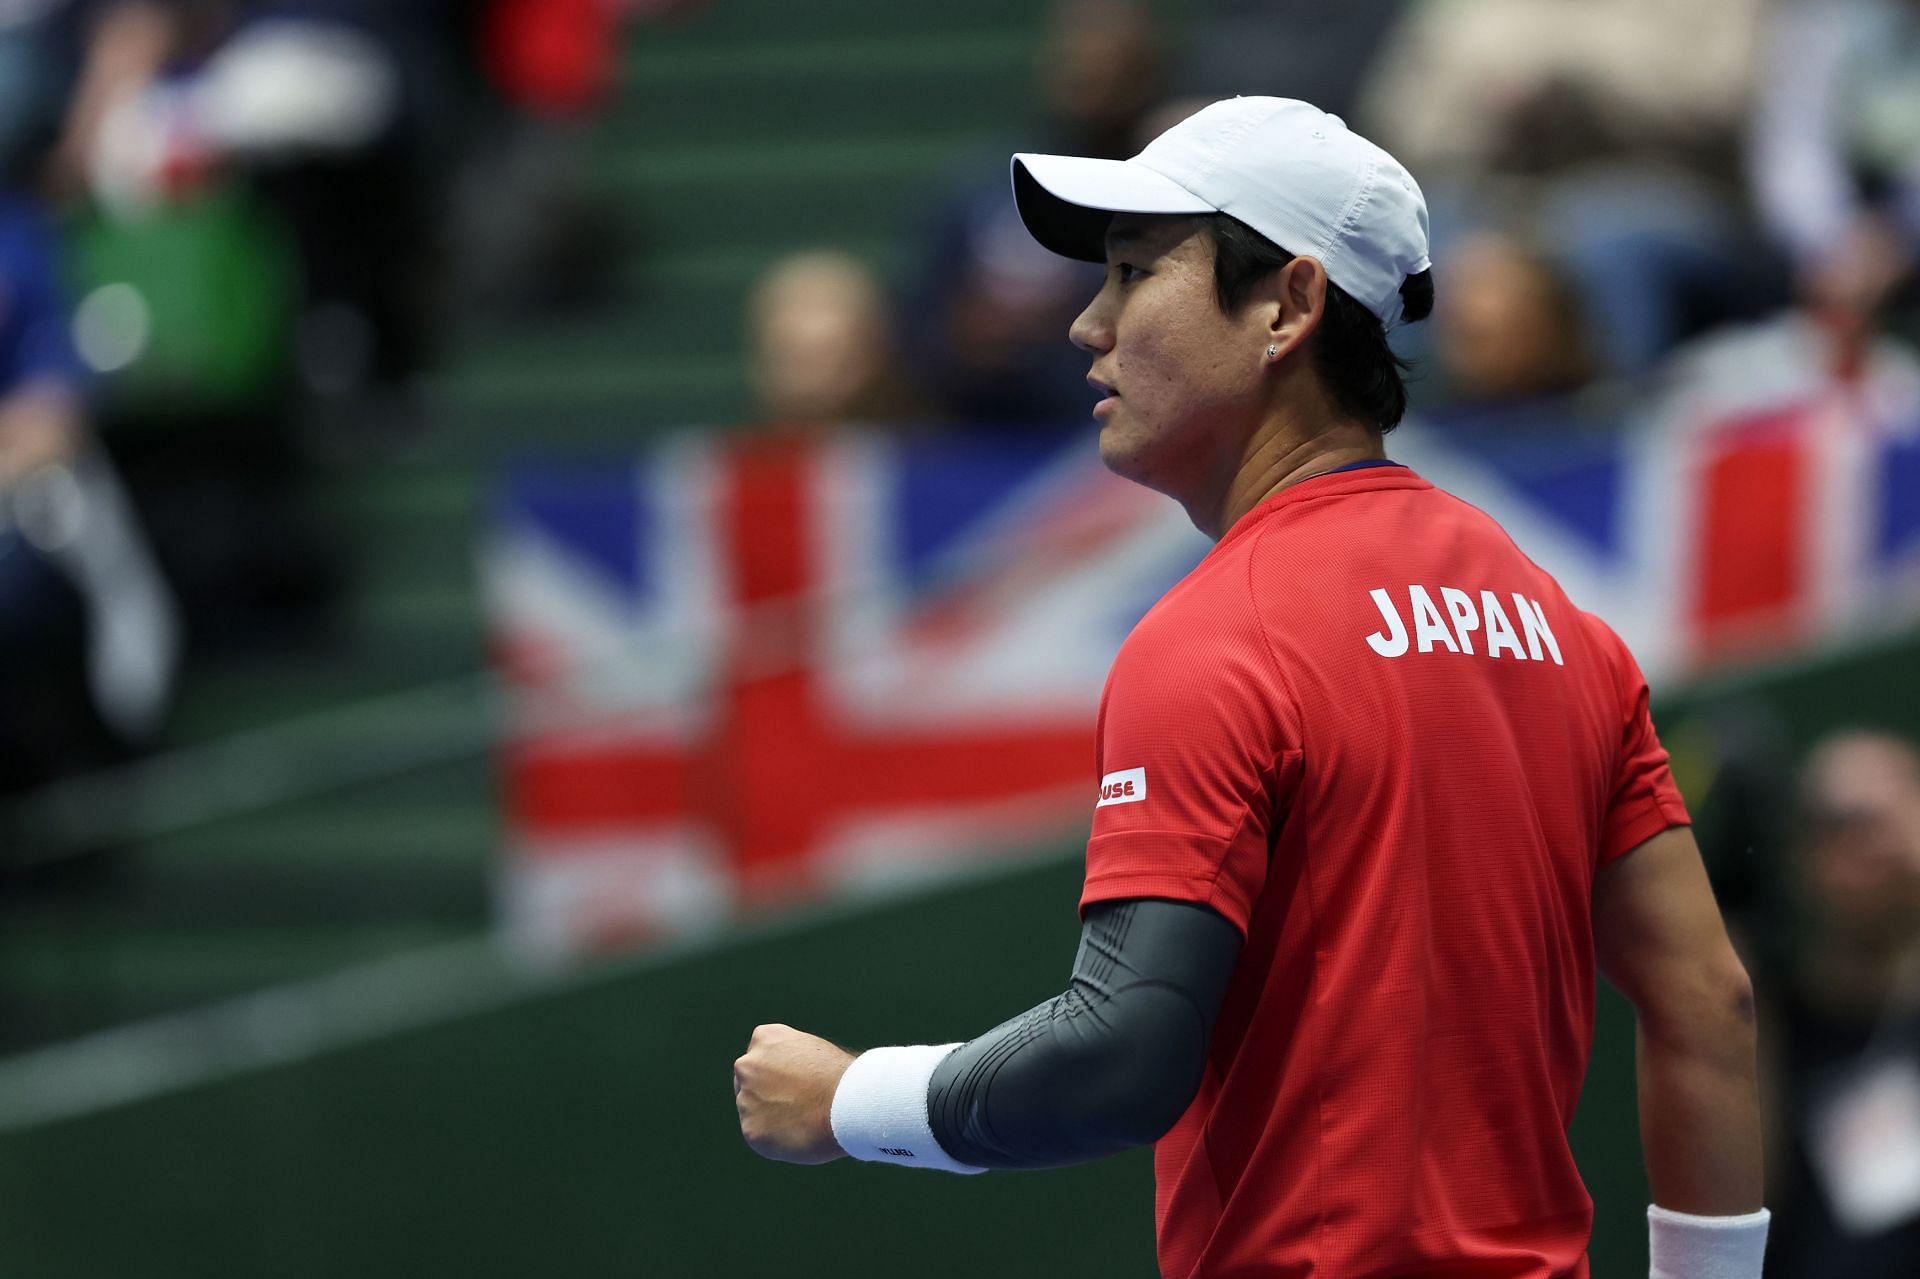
{"x": 1285, "y": 454}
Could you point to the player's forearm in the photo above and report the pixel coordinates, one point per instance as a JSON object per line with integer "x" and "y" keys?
{"x": 1080, "y": 1077}
{"x": 1110, "y": 1063}
{"x": 1107, "y": 1065}
{"x": 1700, "y": 1111}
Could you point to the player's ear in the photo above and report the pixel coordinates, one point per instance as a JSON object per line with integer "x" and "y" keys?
{"x": 1297, "y": 301}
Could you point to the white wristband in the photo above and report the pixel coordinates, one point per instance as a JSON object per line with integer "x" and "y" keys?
{"x": 880, "y": 1108}
{"x": 1683, "y": 1246}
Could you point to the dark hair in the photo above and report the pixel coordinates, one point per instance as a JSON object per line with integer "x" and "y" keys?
{"x": 1350, "y": 350}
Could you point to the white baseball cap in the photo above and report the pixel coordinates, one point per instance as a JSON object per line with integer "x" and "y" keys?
{"x": 1289, "y": 170}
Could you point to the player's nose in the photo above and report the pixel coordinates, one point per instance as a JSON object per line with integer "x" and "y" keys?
{"x": 1091, "y": 330}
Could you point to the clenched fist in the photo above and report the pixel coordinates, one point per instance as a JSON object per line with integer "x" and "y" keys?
{"x": 783, "y": 1088}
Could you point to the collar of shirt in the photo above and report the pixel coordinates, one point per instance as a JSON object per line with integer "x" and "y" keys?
{"x": 1395, "y": 475}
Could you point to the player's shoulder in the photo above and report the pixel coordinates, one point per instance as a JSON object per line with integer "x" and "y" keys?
{"x": 1621, "y": 662}
{"x": 1208, "y": 613}
{"x": 1495, "y": 538}
{"x": 1201, "y": 647}
{"x": 1467, "y": 515}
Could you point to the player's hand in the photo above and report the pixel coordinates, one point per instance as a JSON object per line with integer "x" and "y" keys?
{"x": 783, "y": 1088}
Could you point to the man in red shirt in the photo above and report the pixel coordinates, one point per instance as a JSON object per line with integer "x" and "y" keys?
{"x": 1375, "y": 797}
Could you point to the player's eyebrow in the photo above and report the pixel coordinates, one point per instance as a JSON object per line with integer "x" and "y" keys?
{"x": 1119, "y": 241}
{"x": 1149, "y": 238}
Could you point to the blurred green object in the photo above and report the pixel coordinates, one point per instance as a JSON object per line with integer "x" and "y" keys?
{"x": 185, "y": 311}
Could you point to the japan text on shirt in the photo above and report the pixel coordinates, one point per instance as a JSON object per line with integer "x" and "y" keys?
{"x": 1464, "y": 615}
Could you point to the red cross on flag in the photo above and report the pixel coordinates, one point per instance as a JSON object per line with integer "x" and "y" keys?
{"x": 749, "y": 674}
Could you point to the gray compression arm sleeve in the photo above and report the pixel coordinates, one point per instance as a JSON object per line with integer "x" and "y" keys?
{"x": 1110, "y": 1063}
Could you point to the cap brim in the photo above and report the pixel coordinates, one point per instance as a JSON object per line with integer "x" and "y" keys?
{"x": 1068, "y": 200}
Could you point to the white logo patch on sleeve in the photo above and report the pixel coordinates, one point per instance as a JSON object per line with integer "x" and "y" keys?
{"x": 1128, "y": 786}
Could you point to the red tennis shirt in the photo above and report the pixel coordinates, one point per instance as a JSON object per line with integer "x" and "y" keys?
{"x": 1381, "y": 741}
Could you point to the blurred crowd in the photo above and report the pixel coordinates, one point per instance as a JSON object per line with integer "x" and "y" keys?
{"x": 1608, "y": 179}
{"x": 232, "y": 231}
{"x": 231, "y": 236}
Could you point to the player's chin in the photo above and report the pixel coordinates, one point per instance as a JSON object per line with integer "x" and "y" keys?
{"x": 1123, "y": 452}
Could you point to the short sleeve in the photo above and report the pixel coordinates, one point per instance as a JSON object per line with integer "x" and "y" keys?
{"x": 1644, "y": 800}
{"x": 1195, "y": 756}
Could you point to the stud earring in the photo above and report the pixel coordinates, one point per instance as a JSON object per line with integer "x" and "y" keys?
{"x": 1273, "y": 350}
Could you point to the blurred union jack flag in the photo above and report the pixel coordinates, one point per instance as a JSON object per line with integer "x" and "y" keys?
{"x": 1753, "y": 507}
{"x": 746, "y": 672}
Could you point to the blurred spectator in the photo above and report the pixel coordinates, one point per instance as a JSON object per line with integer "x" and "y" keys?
{"x": 1471, "y": 87}
{"x": 333, "y": 112}
{"x": 250, "y": 238}
{"x": 107, "y": 52}
{"x": 822, "y": 343}
{"x": 1511, "y": 329}
{"x": 554, "y": 57}
{"x": 1287, "y": 48}
{"x": 1836, "y": 151}
{"x": 534, "y": 235}
{"x": 314, "y": 104}
{"x": 530, "y": 238}
{"x": 1516, "y": 375}
{"x": 557, "y": 57}
{"x": 1607, "y": 129}
{"x": 1102, "y": 70}
{"x": 991, "y": 308}
{"x": 87, "y": 631}
{"x": 1844, "y": 1029}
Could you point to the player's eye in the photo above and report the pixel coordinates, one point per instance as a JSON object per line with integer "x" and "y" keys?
{"x": 1127, "y": 272}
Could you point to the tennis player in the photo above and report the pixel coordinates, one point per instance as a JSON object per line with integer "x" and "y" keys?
{"x": 1375, "y": 798}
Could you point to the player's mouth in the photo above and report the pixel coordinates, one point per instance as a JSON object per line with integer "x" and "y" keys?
{"x": 1109, "y": 396}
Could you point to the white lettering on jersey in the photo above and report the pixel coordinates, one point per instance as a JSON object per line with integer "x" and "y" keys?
{"x": 1500, "y": 632}
{"x": 1454, "y": 631}
{"x": 1460, "y": 609}
{"x": 1128, "y": 786}
{"x": 1427, "y": 624}
{"x": 1533, "y": 620}
{"x": 1391, "y": 642}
